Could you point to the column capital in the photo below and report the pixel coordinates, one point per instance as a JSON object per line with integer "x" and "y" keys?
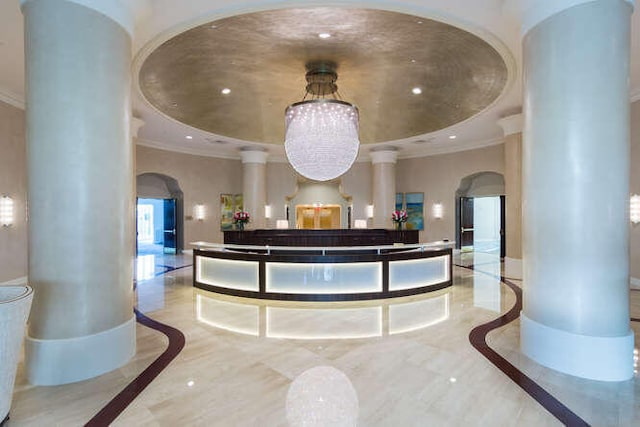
{"x": 123, "y": 12}
{"x": 532, "y": 12}
{"x": 254, "y": 156}
{"x": 511, "y": 124}
{"x": 383, "y": 156}
{"x": 135, "y": 125}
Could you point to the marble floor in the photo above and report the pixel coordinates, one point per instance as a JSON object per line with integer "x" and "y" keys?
{"x": 406, "y": 362}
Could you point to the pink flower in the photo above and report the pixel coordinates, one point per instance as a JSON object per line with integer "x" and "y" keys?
{"x": 241, "y": 216}
{"x": 399, "y": 216}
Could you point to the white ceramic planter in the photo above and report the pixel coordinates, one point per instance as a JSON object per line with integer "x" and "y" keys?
{"x": 15, "y": 303}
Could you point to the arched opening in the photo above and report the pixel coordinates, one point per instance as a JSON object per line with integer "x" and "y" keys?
{"x": 480, "y": 213}
{"x": 159, "y": 215}
{"x": 319, "y": 205}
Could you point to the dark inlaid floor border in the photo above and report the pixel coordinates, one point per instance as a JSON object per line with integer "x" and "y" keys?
{"x": 119, "y": 403}
{"x": 478, "y": 339}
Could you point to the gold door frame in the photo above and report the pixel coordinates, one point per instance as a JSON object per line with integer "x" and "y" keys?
{"x": 323, "y": 217}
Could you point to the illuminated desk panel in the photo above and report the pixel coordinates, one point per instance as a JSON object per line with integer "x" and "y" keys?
{"x": 322, "y": 273}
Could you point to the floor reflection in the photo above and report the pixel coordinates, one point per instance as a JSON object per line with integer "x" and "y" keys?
{"x": 322, "y": 396}
{"x": 487, "y": 290}
{"x": 312, "y": 322}
{"x": 150, "y": 294}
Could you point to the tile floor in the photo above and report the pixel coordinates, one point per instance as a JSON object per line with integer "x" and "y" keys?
{"x": 406, "y": 362}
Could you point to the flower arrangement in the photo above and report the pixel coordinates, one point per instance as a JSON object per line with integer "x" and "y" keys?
{"x": 399, "y": 217}
{"x": 240, "y": 218}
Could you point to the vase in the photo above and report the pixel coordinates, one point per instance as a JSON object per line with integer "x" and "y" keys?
{"x": 398, "y": 226}
{"x": 240, "y": 226}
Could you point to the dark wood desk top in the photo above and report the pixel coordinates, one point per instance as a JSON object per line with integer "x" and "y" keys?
{"x": 340, "y": 237}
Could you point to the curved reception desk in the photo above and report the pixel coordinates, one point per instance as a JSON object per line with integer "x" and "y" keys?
{"x": 322, "y": 273}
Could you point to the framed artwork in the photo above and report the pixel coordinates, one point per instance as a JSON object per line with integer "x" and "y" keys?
{"x": 229, "y": 204}
{"x": 238, "y": 204}
{"x": 226, "y": 212}
{"x": 399, "y": 201}
{"x": 415, "y": 207}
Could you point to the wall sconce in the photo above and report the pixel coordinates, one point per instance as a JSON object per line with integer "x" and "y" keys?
{"x": 369, "y": 211}
{"x": 267, "y": 211}
{"x": 199, "y": 212}
{"x": 282, "y": 224}
{"x": 360, "y": 223}
{"x": 437, "y": 210}
{"x": 6, "y": 211}
{"x": 634, "y": 209}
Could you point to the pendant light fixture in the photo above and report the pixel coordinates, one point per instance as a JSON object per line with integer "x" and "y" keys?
{"x": 321, "y": 133}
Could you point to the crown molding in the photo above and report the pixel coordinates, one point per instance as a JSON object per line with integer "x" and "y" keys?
{"x": 450, "y": 149}
{"x": 186, "y": 150}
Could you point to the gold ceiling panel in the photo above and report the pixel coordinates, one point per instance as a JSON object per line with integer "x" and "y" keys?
{"x": 380, "y": 56}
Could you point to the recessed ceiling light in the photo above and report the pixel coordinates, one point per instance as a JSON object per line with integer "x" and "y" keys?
{"x": 214, "y": 26}
{"x": 413, "y": 60}
{"x": 324, "y": 35}
{"x": 416, "y": 91}
{"x": 452, "y": 137}
{"x": 189, "y": 137}
{"x": 226, "y": 91}
{"x": 419, "y": 22}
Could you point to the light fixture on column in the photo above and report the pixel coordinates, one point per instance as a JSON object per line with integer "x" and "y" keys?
{"x": 369, "y": 211}
{"x": 6, "y": 211}
{"x": 634, "y": 209}
{"x": 267, "y": 211}
{"x": 199, "y": 212}
{"x": 437, "y": 210}
{"x": 321, "y": 134}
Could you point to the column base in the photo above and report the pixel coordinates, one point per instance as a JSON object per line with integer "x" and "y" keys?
{"x": 513, "y": 268}
{"x": 584, "y": 356}
{"x": 63, "y": 361}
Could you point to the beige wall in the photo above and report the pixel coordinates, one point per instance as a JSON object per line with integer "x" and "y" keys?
{"x": 357, "y": 184}
{"x": 438, "y": 177}
{"x": 281, "y": 182}
{"x": 635, "y": 189}
{"x": 202, "y": 180}
{"x": 13, "y": 183}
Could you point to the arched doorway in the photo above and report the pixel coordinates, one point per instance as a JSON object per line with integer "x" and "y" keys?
{"x": 480, "y": 213}
{"x": 159, "y": 215}
{"x": 319, "y": 205}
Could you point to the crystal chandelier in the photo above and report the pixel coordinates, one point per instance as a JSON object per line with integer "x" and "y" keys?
{"x": 321, "y": 134}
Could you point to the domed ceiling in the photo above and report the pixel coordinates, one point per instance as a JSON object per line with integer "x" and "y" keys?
{"x": 234, "y": 77}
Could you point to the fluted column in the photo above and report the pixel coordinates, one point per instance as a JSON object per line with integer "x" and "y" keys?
{"x": 80, "y": 173}
{"x": 576, "y": 187}
{"x": 254, "y": 186}
{"x": 383, "y": 186}
{"x": 512, "y": 128}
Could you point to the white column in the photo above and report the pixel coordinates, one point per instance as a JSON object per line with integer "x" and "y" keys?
{"x": 78, "y": 61}
{"x": 383, "y": 186}
{"x": 512, "y": 128}
{"x": 576, "y": 179}
{"x": 254, "y": 186}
